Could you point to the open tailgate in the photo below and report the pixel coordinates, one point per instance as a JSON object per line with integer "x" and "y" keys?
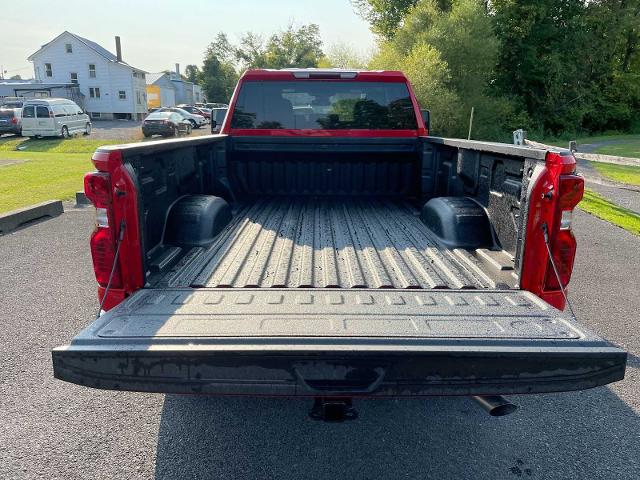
{"x": 337, "y": 342}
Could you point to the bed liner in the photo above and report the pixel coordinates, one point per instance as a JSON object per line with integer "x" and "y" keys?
{"x": 335, "y": 243}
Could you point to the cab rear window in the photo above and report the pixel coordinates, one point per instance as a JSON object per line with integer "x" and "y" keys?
{"x": 324, "y": 105}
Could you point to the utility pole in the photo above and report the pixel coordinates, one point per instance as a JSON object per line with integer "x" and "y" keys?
{"x": 470, "y": 123}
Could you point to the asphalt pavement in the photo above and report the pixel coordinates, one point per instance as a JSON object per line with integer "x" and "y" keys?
{"x": 54, "y": 430}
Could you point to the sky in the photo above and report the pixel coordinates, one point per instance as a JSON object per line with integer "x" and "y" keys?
{"x": 157, "y": 34}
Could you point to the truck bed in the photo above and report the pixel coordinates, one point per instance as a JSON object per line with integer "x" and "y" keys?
{"x": 335, "y": 243}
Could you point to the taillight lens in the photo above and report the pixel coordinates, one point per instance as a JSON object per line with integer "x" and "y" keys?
{"x": 14, "y": 120}
{"x": 563, "y": 243}
{"x": 103, "y": 252}
{"x": 97, "y": 188}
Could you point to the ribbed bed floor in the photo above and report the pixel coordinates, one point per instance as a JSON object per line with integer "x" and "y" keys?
{"x": 347, "y": 243}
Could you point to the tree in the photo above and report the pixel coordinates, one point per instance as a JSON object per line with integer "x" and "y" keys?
{"x": 341, "y": 55}
{"x": 16, "y": 77}
{"x": 251, "y": 51}
{"x": 385, "y": 16}
{"x": 300, "y": 47}
{"x": 193, "y": 74}
{"x": 571, "y": 62}
{"x": 293, "y": 47}
{"x": 218, "y": 75}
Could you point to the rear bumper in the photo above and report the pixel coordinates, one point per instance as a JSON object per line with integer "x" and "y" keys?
{"x": 377, "y": 372}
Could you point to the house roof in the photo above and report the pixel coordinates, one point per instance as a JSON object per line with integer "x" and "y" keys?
{"x": 92, "y": 45}
{"x": 154, "y": 77}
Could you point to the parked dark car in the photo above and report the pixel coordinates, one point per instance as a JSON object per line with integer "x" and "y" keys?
{"x": 217, "y": 117}
{"x": 11, "y": 120}
{"x": 167, "y": 124}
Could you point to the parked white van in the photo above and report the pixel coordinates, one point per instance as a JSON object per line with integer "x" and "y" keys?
{"x": 53, "y": 117}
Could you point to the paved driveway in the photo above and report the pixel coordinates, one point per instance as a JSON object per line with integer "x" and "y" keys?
{"x": 54, "y": 430}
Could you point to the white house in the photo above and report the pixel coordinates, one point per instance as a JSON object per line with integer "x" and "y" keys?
{"x": 112, "y": 88}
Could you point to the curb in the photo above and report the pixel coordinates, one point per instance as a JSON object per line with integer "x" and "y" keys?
{"x": 11, "y": 220}
{"x": 82, "y": 200}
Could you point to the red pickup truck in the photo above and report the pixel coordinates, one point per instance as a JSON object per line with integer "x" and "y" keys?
{"x": 325, "y": 245}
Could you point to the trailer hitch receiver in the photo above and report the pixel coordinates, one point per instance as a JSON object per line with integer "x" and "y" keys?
{"x": 334, "y": 410}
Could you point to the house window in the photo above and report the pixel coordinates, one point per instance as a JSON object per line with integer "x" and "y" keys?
{"x": 138, "y": 100}
{"x": 92, "y": 70}
{"x": 95, "y": 115}
{"x": 135, "y": 74}
{"x": 122, "y": 95}
{"x": 74, "y": 78}
{"x": 142, "y": 75}
{"x": 94, "y": 92}
{"x": 48, "y": 70}
{"x": 68, "y": 48}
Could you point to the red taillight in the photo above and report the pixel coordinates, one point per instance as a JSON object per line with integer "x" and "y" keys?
{"x": 103, "y": 251}
{"x": 107, "y": 160}
{"x": 113, "y": 192}
{"x": 555, "y": 193}
{"x": 14, "y": 120}
{"x": 563, "y": 243}
{"x": 97, "y": 188}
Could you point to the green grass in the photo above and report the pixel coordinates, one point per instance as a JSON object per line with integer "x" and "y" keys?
{"x": 628, "y": 146}
{"x": 618, "y": 173}
{"x": 42, "y": 176}
{"x": 77, "y": 144}
{"x": 602, "y": 208}
{"x": 49, "y": 169}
